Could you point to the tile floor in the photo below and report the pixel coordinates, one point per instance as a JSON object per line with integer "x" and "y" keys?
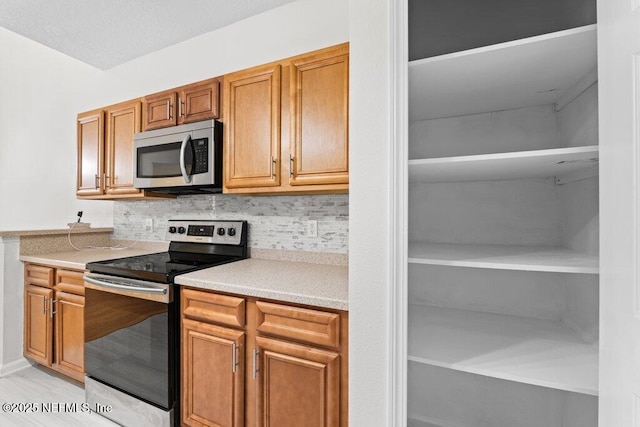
{"x": 56, "y": 402}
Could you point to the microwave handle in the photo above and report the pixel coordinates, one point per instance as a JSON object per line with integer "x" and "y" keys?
{"x": 183, "y": 168}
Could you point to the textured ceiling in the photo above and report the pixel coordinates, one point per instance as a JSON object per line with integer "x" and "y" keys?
{"x": 106, "y": 33}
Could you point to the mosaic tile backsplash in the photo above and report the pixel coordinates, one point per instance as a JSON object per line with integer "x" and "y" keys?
{"x": 275, "y": 222}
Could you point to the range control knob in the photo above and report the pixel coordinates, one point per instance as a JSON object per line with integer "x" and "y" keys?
{"x": 221, "y": 231}
{"x": 181, "y": 230}
{"x": 172, "y": 229}
{"x": 231, "y": 231}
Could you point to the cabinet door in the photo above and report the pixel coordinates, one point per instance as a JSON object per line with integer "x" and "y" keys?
{"x": 123, "y": 121}
{"x": 69, "y": 334}
{"x": 212, "y": 375}
{"x": 38, "y": 338}
{"x": 199, "y": 101}
{"x": 297, "y": 385}
{"x": 90, "y": 134}
{"x": 252, "y": 127}
{"x": 159, "y": 110}
{"x": 319, "y": 146}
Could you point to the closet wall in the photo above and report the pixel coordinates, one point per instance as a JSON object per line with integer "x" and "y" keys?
{"x": 503, "y": 230}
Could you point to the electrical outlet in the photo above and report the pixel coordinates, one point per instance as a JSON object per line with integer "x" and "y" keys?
{"x": 312, "y": 228}
{"x": 148, "y": 225}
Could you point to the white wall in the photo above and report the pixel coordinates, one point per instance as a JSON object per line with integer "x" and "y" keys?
{"x": 371, "y": 191}
{"x": 520, "y": 129}
{"x": 11, "y": 303}
{"x": 41, "y": 91}
{"x": 292, "y": 29}
{"x": 37, "y": 137}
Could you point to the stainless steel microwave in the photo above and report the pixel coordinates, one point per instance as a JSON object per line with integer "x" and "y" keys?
{"x": 185, "y": 159}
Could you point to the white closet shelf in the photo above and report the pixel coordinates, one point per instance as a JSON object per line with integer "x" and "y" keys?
{"x": 414, "y": 421}
{"x": 526, "y": 350}
{"x": 522, "y": 73}
{"x": 504, "y": 257}
{"x": 522, "y": 164}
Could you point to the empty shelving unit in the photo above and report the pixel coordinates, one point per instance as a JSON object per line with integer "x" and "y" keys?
{"x": 503, "y": 223}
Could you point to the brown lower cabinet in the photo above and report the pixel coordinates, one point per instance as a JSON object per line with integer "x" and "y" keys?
{"x": 258, "y": 363}
{"x": 54, "y": 319}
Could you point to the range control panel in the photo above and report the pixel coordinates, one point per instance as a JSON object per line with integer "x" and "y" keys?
{"x": 207, "y": 231}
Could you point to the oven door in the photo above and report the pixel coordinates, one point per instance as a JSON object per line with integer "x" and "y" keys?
{"x": 131, "y": 331}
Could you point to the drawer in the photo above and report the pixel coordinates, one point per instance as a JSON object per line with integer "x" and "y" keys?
{"x": 299, "y": 324}
{"x": 70, "y": 281}
{"x": 213, "y": 308}
{"x": 38, "y": 275}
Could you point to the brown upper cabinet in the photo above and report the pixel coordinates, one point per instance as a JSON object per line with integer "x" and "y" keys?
{"x": 252, "y": 128}
{"x": 90, "y": 130}
{"x": 186, "y": 104}
{"x": 105, "y": 152}
{"x": 286, "y": 125}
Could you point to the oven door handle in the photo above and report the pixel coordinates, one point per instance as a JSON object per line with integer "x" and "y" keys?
{"x": 125, "y": 287}
{"x": 183, "y": 167}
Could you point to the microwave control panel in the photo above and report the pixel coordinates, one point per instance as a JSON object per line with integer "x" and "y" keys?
{"x": 200, "y": 155}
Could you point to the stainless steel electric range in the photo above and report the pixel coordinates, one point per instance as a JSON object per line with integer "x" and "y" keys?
{"x": 132, "y": 321}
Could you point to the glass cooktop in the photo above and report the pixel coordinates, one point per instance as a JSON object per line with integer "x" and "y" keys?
{"x": 159, "y": 267}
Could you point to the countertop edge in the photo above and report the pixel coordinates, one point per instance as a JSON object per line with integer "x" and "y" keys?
{"x": 270, "y": 294}
{"x": 36, "y": 259}
{"x": 317, "y": 285}
{"x": 61, "y": 231}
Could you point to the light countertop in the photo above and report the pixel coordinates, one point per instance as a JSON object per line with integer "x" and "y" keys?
{"x": 78, "y": 259}
{"x": 319, "y": 285}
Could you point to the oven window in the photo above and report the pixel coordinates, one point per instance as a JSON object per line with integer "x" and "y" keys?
{"x": 129, "y": 345}
{"x": 163, "y": 161}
